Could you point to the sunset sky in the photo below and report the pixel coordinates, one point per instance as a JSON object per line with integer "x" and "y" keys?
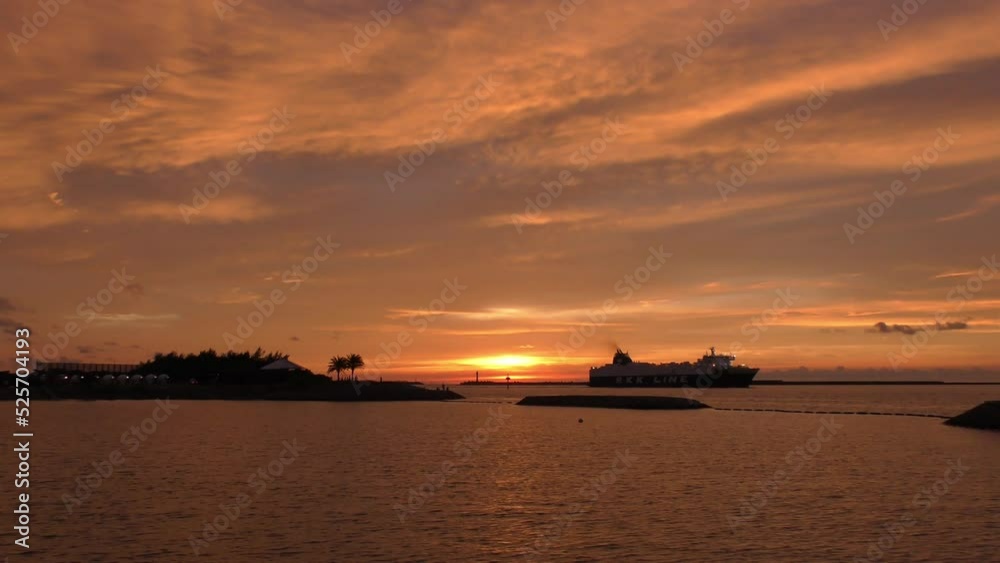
{"x": 635, "y": 128}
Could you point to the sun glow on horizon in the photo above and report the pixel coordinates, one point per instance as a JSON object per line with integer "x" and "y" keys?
{"x": 503, "y": 361}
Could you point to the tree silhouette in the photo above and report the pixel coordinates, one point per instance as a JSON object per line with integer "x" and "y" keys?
{"x": 209, "y": 362}
{"x": 338, "y": 364}
{"x": 354, "y": 361}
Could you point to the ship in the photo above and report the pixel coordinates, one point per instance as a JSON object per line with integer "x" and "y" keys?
{"x": 712, "y": 370}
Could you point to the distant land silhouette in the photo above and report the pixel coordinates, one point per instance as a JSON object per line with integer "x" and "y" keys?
{"x": 208, "y": 375}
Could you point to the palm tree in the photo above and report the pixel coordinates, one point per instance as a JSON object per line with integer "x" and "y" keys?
{"x": 338, "y": 364}
{"x": 343, "y": 363}
{"x": 354, "y": 362}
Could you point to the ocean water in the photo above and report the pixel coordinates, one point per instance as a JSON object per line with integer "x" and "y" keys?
{"x": 486, "y": 480}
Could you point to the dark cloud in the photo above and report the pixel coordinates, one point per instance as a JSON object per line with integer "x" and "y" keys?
{"x": 884, "y": 328}
{"x": 295, "y": 339}
{"x": 5, "y": 305}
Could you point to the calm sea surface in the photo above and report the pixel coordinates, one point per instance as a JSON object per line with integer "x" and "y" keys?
{"x": 484, "y": 479}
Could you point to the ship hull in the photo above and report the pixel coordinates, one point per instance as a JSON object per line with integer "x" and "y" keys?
{"x": 733, "y": 377}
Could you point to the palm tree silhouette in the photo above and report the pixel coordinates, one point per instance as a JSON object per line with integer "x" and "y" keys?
{"x": 354, "y": 361}
{"x": 338, "y": 364}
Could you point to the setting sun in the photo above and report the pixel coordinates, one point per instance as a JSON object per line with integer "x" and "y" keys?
{"x": 503, "y": 361}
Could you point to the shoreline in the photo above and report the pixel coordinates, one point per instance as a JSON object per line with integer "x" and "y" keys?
{"x": 333, "y": 392}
